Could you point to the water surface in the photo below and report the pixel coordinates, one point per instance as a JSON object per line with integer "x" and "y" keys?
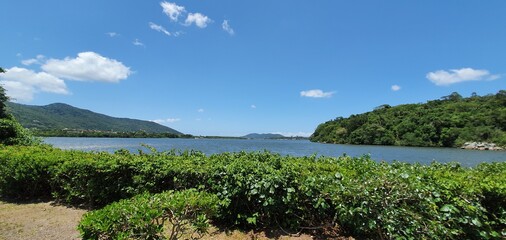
{"x": 284, "y": 147}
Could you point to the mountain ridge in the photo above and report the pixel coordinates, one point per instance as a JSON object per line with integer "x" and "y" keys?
{"x": 263, "y": 136}
{"x": 59, "y": 116}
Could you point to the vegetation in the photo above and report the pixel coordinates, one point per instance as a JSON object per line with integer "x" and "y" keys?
{"x": 62, "y": 117}
{"x": 106, "y": 134}
{"x": 146, "y": 216}
{"x": 11, "y": 132}
{"x": 356, "y": 196}
{"x": 263, "y": 136}
{"x": 448, "y": 122}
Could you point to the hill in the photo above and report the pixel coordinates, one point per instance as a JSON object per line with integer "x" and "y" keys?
{"x": 59, "y": 116}
{"x": 448, "y": 122}
{"x": 263, "y": 136}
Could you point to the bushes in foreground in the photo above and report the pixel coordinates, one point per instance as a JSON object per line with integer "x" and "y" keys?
{"x": 356, "y": 195}
{"x": 167, "y": 215}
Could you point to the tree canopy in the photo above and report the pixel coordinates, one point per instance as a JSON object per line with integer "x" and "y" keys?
{"x": 11, "y": 132}
{"x": 447, "y": 122}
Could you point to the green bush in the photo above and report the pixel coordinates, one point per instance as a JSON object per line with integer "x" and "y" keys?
{"x": 26, "y": 172}
{"x": 12, "y": 133}
{"x": 167, "y": 215}
{"x": 261, "y": 189}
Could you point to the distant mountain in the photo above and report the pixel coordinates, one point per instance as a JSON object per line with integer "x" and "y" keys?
{"x": 58, "y": 116}
{"x": 263, "y": 136}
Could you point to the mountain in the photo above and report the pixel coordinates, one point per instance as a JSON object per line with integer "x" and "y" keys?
{"x": 58, "y": 116}
{"x": 263, "y": 136}
{"x": 448, "y": 122}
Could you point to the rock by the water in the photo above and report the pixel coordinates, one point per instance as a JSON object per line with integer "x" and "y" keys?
{"x": 481, "y": 146}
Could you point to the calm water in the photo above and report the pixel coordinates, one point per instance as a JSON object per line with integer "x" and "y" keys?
{"x": 284, "y": 147}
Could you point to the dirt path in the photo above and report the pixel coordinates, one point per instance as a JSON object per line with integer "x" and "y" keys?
{"x": 46, "y": 221}
{"x": 38, "y": 221}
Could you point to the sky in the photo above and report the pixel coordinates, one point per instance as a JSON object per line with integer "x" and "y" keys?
{"x": 229, "y": 68}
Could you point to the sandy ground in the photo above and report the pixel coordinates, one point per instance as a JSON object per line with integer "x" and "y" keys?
{"x": 38, "y": 221}
{"x": 46, "y": 221}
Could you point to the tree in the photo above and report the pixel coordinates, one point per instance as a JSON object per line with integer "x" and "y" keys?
{"x": 11, "y": 132}
{"x": 3, "y": 99}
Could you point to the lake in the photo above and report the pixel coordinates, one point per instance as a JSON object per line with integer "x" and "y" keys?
{"x": 284, "y": 147}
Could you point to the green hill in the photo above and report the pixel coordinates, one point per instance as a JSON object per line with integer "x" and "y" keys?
{"x": 263, "y": 136}
{"x": 447, "y": 122}
{"x": 59, "y": 116}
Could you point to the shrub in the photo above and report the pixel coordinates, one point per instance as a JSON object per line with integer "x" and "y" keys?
{"x": 262, "y": 189}
{"x": 12, "y": 133}
{"x": 26, "y": 172}
{"x": 148, "y": 216}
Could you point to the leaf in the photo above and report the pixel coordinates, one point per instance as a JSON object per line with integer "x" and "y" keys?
{"x": 448, "y": 208}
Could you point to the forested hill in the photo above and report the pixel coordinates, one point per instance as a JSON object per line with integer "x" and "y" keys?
{"x": 60, "y": 116}
{"x": 447, "y": 122}
{"x": 263, "y": 136}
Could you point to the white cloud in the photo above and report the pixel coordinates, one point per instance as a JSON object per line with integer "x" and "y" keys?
{"x": 396, "y": 88}
{"x": 444, "y": 78}
{"x": 138, "y": 42}
{"x": 28, "y": 62}
{"x": 88, "y": 66}
{"x": 172, "y": 10}
{"x": 37, "y": 60}
{"x": 168, "y": 120}
{"x": 316, "y": 93}
{"x": 112, "y": 34}
{"x": 227, "y": 27}
{"x": 200, "y": 110}
{"x": 21, "y": 84}
{"x": 159, "y": 28}
{"x": 18, "y": 92}
{"x": 199, "y": 19}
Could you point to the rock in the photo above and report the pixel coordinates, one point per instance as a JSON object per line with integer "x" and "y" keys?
{"x": 481, "y": 146}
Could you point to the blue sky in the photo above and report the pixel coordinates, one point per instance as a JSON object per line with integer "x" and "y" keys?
{"x": 230, "y": 68}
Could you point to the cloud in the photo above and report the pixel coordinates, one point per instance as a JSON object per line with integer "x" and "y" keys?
{"x": 253, "y": 106}
{"x": 112, "y": 34}
{"x": 22, "y": 84}
{"x": 172, "y": 10}
{"x": 138, "y": 42}
{"x": 87, "y": 66}
{"x": 444, "y": 78}
{"x": 159, "y": 28}
{"x": 200, "y": 110}
{"x": 168, "y": 120}
{"x": 396, "y": 88}
{"x": 226, "y": 27}
{"x": 199, "y": 19}
{"x": 37, "y": 60}
{"x": 316, "y": 93}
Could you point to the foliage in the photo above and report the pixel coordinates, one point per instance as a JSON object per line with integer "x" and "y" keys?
{"x": 147, "y": 216}
{"x": 3, "y": 101}
{"x": 258, "y": 189}
{"x": 26, "y": 172}
{"x": 59, "y": 116}
{"x": 11, "y": 132}
{"x": 448, "y": 122}
{"x": 105, "y": 134}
